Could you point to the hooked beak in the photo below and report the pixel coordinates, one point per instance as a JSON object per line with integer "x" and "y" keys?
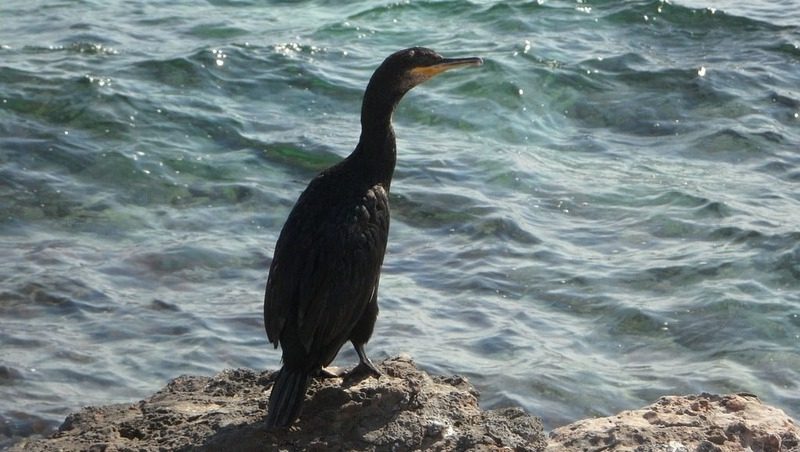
{"x": 446, "y": 64}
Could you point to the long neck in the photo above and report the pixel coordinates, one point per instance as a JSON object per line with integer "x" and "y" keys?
{"x": 376, "y": 150}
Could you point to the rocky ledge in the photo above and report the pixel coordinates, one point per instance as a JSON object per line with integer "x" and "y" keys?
{"x": 406, "y": 409}
{"x": 693, "y": 423}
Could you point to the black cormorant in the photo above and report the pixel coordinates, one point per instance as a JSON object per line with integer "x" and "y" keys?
{"x": 323, "y": 281}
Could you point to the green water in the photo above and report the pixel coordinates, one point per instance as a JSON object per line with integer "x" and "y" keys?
{"x": 605, "y": 212}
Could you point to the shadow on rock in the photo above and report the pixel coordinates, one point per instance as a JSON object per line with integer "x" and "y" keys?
{"x": 406, "y": 409}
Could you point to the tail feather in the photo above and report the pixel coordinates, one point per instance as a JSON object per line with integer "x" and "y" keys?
{"x": 287, "y": 396}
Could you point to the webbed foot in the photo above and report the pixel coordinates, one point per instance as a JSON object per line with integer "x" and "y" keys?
{"x": 329, "y": 372}
{"x": 365, "y": 367}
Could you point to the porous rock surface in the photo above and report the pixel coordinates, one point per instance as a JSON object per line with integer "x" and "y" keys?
{"x": 405, "y": 409}
{"x": 693, "y": 423}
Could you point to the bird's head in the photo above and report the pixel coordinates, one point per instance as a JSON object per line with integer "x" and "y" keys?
{"x": 407, "y": 68}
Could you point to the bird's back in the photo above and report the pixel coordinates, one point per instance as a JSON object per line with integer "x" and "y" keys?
{"x": 326, "y": 266}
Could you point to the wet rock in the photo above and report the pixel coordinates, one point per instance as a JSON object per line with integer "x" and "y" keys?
{"x": 406, "y": 409}
{"x": 694, "y": 423}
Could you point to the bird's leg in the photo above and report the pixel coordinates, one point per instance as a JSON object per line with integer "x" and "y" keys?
{"x": 365, "y": 365}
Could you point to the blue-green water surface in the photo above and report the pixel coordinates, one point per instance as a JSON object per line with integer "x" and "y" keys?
{"x": 606, "y": 212}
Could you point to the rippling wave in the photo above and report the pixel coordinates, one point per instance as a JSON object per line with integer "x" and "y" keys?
{"x": 604, "y": 213}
